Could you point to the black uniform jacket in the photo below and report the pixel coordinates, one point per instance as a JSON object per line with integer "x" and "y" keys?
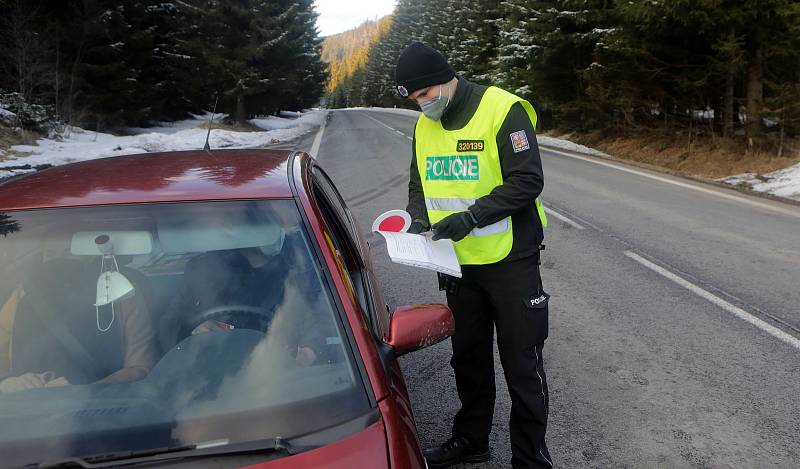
{"x": 522, "y": 174}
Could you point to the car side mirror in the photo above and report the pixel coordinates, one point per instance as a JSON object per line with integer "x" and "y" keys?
{"x": 418, "y": 326}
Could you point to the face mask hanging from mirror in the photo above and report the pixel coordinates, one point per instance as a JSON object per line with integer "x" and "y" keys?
{"x": 112, "y": 286}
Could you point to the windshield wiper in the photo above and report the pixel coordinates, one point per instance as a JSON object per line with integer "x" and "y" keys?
{"x": 125, "y": 458}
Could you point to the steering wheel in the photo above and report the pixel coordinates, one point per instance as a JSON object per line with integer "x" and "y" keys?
{"x": 240, "y": 316}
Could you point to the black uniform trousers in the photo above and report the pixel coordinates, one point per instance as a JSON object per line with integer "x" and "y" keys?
{"x": 508, "y": 296}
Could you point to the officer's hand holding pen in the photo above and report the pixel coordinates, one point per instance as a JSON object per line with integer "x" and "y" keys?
{"x": 455, "y": 226}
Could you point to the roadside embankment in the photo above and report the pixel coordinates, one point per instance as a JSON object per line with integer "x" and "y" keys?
{"x": 22, "y": 155}
{"x": 718, "y": 160}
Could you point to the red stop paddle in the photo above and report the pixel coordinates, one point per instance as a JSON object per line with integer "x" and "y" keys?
{"x": 394, "y": 223}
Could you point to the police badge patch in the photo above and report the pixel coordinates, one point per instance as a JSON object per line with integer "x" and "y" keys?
{"x": 519, "y": 140}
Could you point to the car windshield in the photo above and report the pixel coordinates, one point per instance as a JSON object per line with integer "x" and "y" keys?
{"x": 161, "y": 325}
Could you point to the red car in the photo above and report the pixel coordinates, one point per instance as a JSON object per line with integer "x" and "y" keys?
{"x": 198, "y": 309}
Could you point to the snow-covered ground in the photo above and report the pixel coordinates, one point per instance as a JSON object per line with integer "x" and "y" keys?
{"x": 564, "y": 144}
{"x": 177, "y": 126}
{"x": 783, "y": 183}
{"x": 287, "y": 120}
{"x": 78, "y": 144}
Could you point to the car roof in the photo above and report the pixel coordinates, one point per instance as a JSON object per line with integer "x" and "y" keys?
{"x": 154, "y": 177}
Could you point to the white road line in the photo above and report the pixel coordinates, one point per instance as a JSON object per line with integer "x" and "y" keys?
{"x": 566, "y": 220}
{"x": 381, "y": 123}
{"x": 735, "y": 310}
{"x": 718, "y": 193}
{"x": 318, "y": 138}
{"x": 390, "y": 128}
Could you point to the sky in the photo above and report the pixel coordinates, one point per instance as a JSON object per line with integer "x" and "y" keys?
{"x": 336, "y": 16}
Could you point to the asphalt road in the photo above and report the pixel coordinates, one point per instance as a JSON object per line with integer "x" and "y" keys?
{"x": 674, "y": 315}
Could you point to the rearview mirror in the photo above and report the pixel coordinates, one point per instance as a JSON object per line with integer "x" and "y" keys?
{"x": 418, "y": 326}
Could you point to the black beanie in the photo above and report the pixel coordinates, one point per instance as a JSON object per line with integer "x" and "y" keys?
{"x": 420, "y": 66}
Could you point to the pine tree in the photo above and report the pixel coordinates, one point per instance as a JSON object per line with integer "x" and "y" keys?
{"x": 782, "y": 82}
{"x": 668, "y": 62}
{"x": 545, "y": 47}
{"x": 521, "y": 34}
{"x": 305, "y": 74}
{"x": 260, "y": 56}
{"x": 470, "y": 37}
{"x": 170, "y": 74}
{"x": 414, "y": 20}
{"x": 770, "y": 31}
{"x": 110, "y": 64}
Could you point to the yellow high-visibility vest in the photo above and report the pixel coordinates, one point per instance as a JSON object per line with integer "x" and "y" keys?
{"x": 457, "y": 167}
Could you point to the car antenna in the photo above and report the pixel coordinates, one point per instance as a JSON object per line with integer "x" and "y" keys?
{"x": 211, "y": 121}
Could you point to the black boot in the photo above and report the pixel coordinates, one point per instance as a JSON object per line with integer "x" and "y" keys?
{"x": 453, "y": 451}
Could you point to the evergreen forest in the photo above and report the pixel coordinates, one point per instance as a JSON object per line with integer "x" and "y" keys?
{"x": 348, "y": 53}
{"x": 713, "y": 68}
{"x": 104, "y": 64}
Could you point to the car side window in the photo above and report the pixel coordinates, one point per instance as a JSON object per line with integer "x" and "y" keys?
{"x": 325, "y": 185}
{"x": 341, "y": 237}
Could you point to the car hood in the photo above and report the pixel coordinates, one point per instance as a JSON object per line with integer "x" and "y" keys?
{"x": 366, "y": 448}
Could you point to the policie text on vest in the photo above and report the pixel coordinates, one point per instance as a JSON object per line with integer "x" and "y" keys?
{"x": 452, "y": 168}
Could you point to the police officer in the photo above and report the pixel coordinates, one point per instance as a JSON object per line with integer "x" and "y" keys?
{"x": 475, "y": 178}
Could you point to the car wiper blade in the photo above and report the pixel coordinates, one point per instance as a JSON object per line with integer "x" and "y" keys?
{"x": 202, "y": 450}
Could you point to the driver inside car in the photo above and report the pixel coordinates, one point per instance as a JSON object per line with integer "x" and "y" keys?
{"x": 246, "y": 288}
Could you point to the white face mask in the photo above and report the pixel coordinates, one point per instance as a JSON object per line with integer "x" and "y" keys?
{"x": 434, "y": 108}
{"x": 112, "y": 286}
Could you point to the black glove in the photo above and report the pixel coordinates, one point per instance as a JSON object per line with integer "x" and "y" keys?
{"x": 418, "y": 226}
{"x": 455, "y": 226}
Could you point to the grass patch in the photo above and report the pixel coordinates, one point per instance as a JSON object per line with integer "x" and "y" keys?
{"x": 10, "y": 136}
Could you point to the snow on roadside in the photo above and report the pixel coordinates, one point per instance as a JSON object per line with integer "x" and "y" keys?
{"x": 563, "y": 144}
{"x": 177, "y": 126}
{"x": 782, "y": 183}
{"x": 79, "y": 144}
{"x": 290, "y": 120}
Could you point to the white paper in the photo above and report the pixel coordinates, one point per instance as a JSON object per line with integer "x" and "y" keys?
{"x": 421, "y": 251}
